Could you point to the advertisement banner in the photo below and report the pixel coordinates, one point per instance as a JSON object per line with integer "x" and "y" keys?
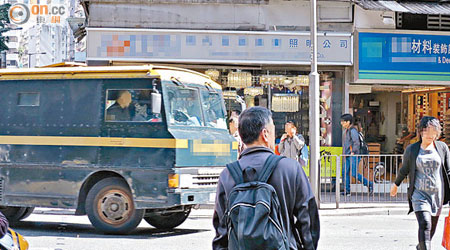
{"x": 397, "y": 56}
{"x": 328, "y": 162}
{"x": 212, "y": 46}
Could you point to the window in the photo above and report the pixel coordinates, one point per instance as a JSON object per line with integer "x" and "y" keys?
{"x": 183, "y": 106}
{"x": 130, "y": 105}
{"x": 213, "y": 109}
{"x": 28, "y": 99}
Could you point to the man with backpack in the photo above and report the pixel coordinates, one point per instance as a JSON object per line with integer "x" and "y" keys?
{"x": 351, "y": 147}
{"x": 264, "y": 201}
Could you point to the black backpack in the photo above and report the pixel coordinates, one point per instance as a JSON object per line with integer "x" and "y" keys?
{"x": 363, "y": 148}
{"x": 253, "y": 211}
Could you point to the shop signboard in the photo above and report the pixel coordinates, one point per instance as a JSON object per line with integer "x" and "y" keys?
{"x": 209, "y": 46}
{"x": 401, "y": 56}
{"x": 328, "y": 163}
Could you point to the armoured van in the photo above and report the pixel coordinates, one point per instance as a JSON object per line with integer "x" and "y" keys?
{"x": 116, "y": 143}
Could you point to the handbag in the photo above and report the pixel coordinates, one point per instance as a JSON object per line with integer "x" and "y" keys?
{"x": 446, "y": 236}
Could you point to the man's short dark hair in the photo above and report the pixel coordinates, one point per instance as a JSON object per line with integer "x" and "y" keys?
{"x": 292, "y": 123}
{"x": 252, "y": 121}
{"x": 347, "y": 118}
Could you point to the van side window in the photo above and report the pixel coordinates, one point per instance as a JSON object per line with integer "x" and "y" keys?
{"x": 130, "y": 105}
{"x": 28, "y": 99}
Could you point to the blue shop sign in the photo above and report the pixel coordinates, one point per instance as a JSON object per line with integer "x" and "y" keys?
{"x": 388, "y": 56}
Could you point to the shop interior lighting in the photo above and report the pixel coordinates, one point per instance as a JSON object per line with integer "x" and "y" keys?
{"x": 254, "y": 91}
{"x": 285, "y": 103}
{"x": 239, "y": 79}
{"x": 285, "y": 81}
{"x": 229, "y": 94}
{"x": 213, "y": 73}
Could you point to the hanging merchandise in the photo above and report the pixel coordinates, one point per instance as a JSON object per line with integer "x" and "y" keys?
{"x": 326, "y": 113}
{"x": 285, "y": 103}
{"x": 213, "y": 73}
{"x": 444, "y": 105}
{"x": 229, "y": 94}
{"x": 293, "y": 83}
{"x": 239, "y": 80}
{"x": 253, "y": 91}
{"x": 447, "y": 127}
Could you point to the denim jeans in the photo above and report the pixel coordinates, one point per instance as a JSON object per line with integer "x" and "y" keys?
{"x": 352, "y": 163}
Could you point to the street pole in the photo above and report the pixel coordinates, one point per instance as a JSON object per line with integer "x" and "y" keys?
{"x": 314, "y": 123}
{"x": 3, "y": 58}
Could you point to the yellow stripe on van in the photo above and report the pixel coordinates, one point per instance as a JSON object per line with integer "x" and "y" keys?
{"x": 216, "y": 148}
{"x": 94, "y": 141}
{"x": 235, "y": 145}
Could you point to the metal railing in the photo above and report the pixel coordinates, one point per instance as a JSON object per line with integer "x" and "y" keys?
{"x": 360, "y": 179}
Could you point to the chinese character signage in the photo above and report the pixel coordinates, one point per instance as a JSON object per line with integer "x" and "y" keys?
{"x": 191, "y": 46}
{"x": 388, "y": 56}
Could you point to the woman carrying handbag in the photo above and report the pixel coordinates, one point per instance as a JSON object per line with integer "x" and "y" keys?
{"x": 427, "y": 164}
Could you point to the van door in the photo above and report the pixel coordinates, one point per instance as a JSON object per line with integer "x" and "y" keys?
{"x": 128, "y": 116}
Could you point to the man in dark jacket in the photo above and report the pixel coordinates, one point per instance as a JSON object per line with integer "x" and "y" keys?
{"x": 297, "y": 202}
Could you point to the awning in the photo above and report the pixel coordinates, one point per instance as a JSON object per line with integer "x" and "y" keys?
{"x": 408, "y": 7}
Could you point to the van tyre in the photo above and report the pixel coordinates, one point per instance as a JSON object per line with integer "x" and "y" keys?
{"x": 13, "y": 214}
{"x": 28, "y": 212}
{"x": 167, "y": 220}
{"x": 110, "y": 207}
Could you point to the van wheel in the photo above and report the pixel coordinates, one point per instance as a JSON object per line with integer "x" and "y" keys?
{"x": 110, "y": 207}
{"x": 28, "y": 212}
{"x": 167, "y": 220}
{"x": 13, "y": 214}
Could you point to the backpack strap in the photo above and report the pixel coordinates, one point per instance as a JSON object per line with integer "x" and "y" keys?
{"x": 270, "y": 164}
{"x": 236, "y": 172}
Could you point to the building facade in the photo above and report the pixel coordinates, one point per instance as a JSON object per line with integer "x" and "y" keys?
{"x": 258, "y": 50}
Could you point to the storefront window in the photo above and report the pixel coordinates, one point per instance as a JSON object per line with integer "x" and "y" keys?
{"x": 286, "y": 94}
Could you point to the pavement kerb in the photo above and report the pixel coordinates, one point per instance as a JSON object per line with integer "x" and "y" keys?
{"x": 355, "y": 209}
{"x": 364, "y": 209}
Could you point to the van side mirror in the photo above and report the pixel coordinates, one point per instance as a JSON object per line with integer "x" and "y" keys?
{"x": 156, "y": 103}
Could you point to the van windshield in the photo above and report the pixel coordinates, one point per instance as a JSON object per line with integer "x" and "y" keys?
{"x": 213, "y": 109}
{"x": 183, "y": 106}
{"x": 186, "y": 106}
